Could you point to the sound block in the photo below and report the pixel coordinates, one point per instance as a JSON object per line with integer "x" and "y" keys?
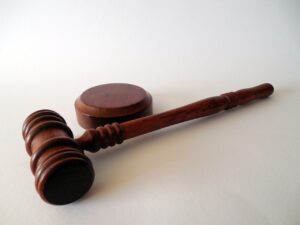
{"x": 108, "y": 103}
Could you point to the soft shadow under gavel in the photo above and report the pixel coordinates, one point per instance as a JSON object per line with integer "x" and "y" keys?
{"x": 63, "y": 173}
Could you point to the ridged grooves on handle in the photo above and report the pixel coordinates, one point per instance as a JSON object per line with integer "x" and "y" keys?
{"x": 49, "y": 141}
{"x": 101, "y": 137}
{"x": 195, "y": 110}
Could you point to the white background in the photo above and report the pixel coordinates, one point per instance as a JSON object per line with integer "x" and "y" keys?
{"x": 238, "y": 167}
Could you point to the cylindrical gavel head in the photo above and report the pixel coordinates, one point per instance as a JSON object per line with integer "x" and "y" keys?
{"x": 62, "y": 172}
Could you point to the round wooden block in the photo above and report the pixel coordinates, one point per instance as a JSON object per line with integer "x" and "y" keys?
{"x": 108, "y": 103}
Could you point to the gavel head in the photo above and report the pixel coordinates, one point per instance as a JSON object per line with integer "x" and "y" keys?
{"x": 62, "y": 172}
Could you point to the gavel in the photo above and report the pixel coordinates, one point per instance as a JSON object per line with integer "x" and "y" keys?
{"x": 63, "y": 173}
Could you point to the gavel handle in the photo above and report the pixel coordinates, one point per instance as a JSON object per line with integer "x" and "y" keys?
{"x": 195, "y": 110}
{"x": 90, "y": 140}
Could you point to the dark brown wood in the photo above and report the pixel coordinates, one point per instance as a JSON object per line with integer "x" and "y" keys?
{"x": 195, "y": 110}
{"x": 115, "y": 102}
{"x": 63, "y": 173}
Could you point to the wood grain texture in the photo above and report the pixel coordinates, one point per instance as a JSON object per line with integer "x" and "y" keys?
{"x": 63, "y": 173}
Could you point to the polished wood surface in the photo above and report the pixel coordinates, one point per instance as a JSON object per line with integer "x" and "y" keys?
{"x": 63, "y": 173}
{"x": 108, "y": 103}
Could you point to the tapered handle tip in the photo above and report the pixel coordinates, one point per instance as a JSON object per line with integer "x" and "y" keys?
{"x": 264, "y": 90}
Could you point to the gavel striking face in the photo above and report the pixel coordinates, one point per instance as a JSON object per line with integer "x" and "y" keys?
{"x": 63, "y": 173}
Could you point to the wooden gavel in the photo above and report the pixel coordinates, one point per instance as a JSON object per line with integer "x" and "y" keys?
{"x": 63, "y": 173}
